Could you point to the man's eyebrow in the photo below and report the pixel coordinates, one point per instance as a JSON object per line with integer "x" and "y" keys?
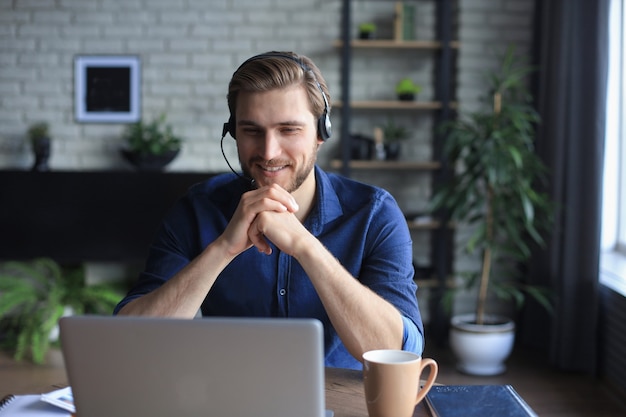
{"x": 247, "y": 123}
{"x": 285, "y": 123}
{"x": 292, "y": 123}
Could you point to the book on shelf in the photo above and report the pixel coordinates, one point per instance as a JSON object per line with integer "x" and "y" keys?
{"x": 477, "y": 400}
{"x": 397, "y": 22}
{"x": 404, "y": 22}
{"x": 408, "y": 22}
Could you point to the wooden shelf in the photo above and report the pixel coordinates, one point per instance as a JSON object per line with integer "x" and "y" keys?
{"x": 394, "y": 105}
{"x": 433, "y": 283}
{"x": 391, "y": 105}
{"x": 393, "y": 44}
{"x": 428, "y": 225}
{"x": 427, "y": 283}
{"x": 423, "y": 225}
{"x": 389, "y": 165}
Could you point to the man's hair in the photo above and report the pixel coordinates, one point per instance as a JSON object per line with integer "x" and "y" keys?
{"x": 273, "y": 70}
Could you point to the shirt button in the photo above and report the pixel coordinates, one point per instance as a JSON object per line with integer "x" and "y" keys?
{"x": 282, "y": 291}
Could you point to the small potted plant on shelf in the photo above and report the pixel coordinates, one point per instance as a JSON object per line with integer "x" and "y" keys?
{"x": 493, "y": 194}
{"x": 151, "y": 146}
{"x": 407, "y": 90}
{"x": 34, "y": 295}
{"x": 393, "y": 135}
{"x": 40, "y": 142}
{"x": 367, "y": 30}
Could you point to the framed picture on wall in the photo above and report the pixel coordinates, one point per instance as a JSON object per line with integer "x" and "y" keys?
{"x": 107, "y": 88}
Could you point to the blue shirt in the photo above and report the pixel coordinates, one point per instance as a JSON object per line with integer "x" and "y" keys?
{"x": 361, "y": 225}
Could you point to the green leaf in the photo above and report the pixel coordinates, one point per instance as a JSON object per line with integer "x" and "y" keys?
{"x": 516, "y": 155}
{"x": 33, "y": 296}
{"x": 154, "y": 137}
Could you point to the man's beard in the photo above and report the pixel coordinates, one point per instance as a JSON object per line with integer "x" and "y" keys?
{"x": 301, "y": 175}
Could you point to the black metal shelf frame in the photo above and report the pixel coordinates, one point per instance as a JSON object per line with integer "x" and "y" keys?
{"x": 441, "y": 237}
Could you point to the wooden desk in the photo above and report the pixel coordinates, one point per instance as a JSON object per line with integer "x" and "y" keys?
{"x": 345, "y": 394}
{"x": 344, "y": 387}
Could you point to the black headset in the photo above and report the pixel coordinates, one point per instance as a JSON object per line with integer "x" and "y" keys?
{"x": 324, "y": 127}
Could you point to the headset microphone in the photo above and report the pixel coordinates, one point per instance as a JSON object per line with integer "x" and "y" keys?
{"x": 250, "y": 180}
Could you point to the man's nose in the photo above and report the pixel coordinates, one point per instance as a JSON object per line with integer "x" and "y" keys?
{"x": 270, "y": 148}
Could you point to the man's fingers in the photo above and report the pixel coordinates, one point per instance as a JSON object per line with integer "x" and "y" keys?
{"x": 258, "y": 240}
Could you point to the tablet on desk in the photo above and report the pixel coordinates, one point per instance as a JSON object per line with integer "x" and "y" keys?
{"x": 158, "y": 367}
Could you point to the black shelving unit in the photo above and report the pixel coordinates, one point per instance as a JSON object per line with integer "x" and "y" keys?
{"x": 443, "y": 109}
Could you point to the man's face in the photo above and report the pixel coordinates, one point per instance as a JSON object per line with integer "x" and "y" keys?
{"x": 277, "y": 137}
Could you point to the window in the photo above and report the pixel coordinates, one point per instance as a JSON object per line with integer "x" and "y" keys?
{"x": 613, "y": 260}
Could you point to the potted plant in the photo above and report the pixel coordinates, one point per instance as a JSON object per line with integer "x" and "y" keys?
{"x": 367, "y": 30}
{"x": 407, "y": 90}
{"x": 393, "y": 135}
{"x": 39, "y": 137}
{"x": 35, "y": 294}
{"x": 493, "y": 193}
{"x": 151, "y": 146}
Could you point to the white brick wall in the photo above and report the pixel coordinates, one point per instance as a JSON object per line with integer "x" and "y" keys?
{"x": 487, "y": 27}
{"x": 188, "y": 50}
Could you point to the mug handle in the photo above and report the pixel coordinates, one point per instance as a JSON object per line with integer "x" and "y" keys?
{"x": 431, "y": 378}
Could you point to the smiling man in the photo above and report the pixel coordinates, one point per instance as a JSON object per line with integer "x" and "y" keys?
{"x": 285, "y": 238}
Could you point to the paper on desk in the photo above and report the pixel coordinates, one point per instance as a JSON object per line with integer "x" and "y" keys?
{"x": 62, "y": 398}
{"x": 30, "y": 406}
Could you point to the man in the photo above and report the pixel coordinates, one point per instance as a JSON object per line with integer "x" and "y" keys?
{"x": 286, "y": 239}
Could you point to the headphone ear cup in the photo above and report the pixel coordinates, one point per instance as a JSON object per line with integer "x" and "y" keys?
{"x": 324, "y": 127}
{"x": 229, "y": 127}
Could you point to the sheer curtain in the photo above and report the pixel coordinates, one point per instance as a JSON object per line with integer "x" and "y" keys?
{"x": 571, "y": 49}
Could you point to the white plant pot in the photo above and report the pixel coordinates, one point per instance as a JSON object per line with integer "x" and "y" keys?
{"x": 481, "y": 349}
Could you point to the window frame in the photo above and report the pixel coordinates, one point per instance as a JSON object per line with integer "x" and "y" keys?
{"x": 613, "y": 242}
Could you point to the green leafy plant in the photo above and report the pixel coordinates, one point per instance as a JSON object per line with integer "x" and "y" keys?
{"x": 393, "y": 132}
{"x": 367, "y": 27}
{"x": 38, "y": 131}
{"x": 407, "y": 86}
{"x": 494, "y": 189}
{"x": 156, "y": 137}
{"x": 34, "y": 295}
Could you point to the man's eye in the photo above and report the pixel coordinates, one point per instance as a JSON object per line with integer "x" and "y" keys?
{"x": 290, "y": 130}
{"x": 252, "y": 131}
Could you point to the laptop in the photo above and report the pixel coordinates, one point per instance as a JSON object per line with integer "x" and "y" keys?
{"x": 219, "y": 367}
